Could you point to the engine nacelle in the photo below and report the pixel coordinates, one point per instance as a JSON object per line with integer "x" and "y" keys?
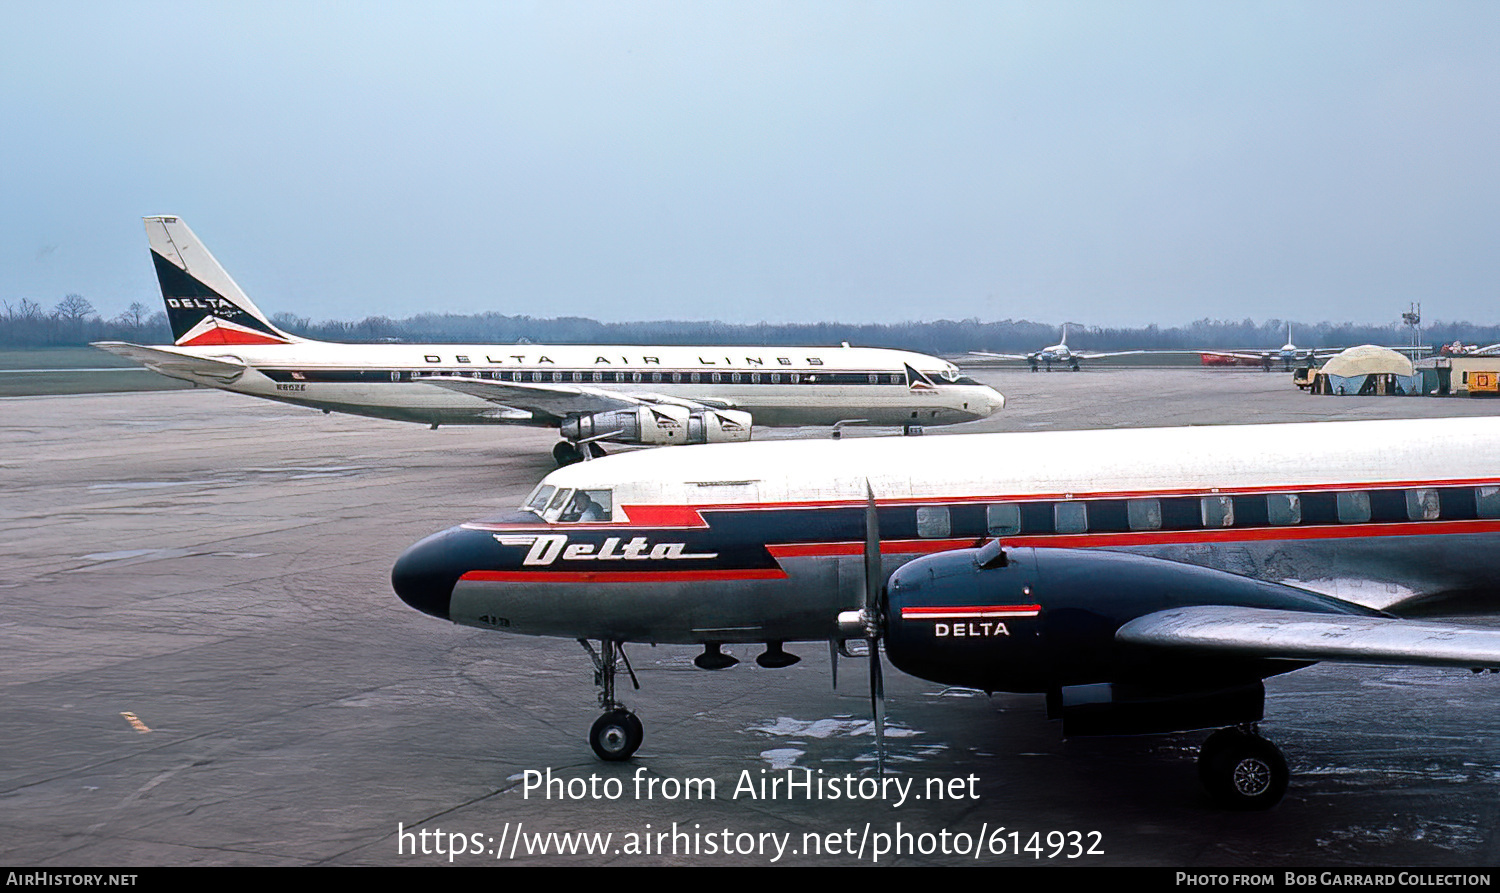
{"x": 660, "y": 424}
{"x": 719, "y": 426}
{"x": 1044, "y": 620}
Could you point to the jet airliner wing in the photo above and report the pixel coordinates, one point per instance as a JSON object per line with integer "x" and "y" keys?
{"x": 1300, "y": 635}
{"x": 560, "y": 399}
{"x": 176, "y": 365}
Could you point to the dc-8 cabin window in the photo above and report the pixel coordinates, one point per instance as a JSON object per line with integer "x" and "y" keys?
{"x": 1070, "y": 517}
{"x": 1422, "y": 505}
{"x": 1003, "y": 519}
{"x": 1283, "y": 509}
{"x": 1218, "y": 511}
{"x": 586, "y": 505}
{"x": 1487, "y": 502}
{"x": 933, "y": 521}
{"x": 1354, "y": 507}
{"x": 540, "y": 497}
{"x": 1143, "y": 514}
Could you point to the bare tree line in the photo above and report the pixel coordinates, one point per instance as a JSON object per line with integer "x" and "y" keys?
{"x": 74, "y": 322}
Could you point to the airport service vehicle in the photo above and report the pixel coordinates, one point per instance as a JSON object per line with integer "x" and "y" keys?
{"x": 1143, "y": 580}
{"x": 628, "y": 394}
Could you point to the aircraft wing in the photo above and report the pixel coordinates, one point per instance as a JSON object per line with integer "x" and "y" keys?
{"x": 176, "y": 365}
{"x": 1301, "y": 635}
{"x": 1090, "y": 355}
{"x": 560, "y": 399}
{"x": 1236, "y": 355}
{"x": 999, "y": 356}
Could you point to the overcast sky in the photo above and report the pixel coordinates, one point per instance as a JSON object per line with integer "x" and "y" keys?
{"x": 1104, "y": 163}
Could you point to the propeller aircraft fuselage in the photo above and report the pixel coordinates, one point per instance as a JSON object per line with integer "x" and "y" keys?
{"x": 1143, "y": 579}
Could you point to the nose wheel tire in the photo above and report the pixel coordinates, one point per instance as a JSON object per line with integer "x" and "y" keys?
{"x": 616, "y": 735}
{"x": 1243, "y": 770}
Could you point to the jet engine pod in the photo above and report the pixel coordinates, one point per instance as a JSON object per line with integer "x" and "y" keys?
{"x": 1040, "y": 620}
{"x": 718, "y": 426}
{"x": 652, "y": 425}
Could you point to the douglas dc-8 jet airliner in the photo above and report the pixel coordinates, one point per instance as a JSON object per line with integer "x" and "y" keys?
{"x": 1143, "y": 580}
{"x": 591, "y": 393}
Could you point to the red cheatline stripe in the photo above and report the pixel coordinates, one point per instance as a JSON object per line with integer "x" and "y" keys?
{"x": 971, "y": 611}
{"x": 1094, "y": 540}
{"x": 620, "y": 576}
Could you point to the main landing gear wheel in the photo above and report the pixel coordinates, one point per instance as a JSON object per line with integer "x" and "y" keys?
{"x": 1242, "y": 770}
{"x": 616, "y": 735}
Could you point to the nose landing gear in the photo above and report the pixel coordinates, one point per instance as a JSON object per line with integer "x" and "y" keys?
{"x": 618, "y": 733}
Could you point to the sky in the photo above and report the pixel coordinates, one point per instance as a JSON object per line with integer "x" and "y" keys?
{"x": 1104, "y": 163}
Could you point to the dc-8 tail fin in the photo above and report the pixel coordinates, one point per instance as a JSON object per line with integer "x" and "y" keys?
{"x": 204, "y": 305}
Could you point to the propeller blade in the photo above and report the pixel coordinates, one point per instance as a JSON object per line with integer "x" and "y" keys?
{"x": 833, "y": 661}
{"x": 877, "y": 704}
{"x": 873, "y": 577}
{"x": 874, "y": 581}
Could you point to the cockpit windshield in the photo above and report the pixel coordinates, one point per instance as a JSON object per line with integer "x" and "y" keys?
{"x": 537, "y": 501}
{"x": 566, "y": 506}
{"x": 586, "y": 505}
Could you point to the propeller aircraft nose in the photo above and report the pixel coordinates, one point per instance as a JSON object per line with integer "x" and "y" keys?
{"x": 425, "y": 574}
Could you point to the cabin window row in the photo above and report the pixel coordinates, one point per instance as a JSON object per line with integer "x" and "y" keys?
{"x": 875, "y": 378}
{"x": 1220, "y": 512}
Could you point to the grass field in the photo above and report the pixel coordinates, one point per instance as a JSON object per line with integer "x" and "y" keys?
{"x": 75, "y": 370}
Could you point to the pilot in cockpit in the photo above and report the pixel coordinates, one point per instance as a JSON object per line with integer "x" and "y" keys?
{"x": 583, "y": 508}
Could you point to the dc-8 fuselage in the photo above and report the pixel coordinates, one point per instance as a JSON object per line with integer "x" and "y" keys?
{"x": 657, "y": 396}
